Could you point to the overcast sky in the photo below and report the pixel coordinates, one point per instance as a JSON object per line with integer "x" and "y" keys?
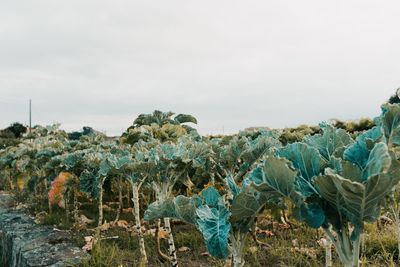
{"x": 231, "y": 64}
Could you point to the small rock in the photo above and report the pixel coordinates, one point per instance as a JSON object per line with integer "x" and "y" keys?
{"x": 6, "y": 200}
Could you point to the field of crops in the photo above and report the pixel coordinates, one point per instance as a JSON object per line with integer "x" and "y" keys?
{"x": 161, "y": 194}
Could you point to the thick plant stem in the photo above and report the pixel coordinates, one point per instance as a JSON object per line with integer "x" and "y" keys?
{"x": 50, "y": 208}
{"x": 66, "y": 207}
{"x": 228, "y": 260}
{"x": 171, "y": 243}
{"x": 346, "y": 241}
{"x": 76, "y": 206}
{"x": 46, "y": 190}
{"x": 395, "y": 211}
{"x": 398, "y": 236}
{"x": 119, "y": 200}
{"x": 8, "y": 175}
{"x": 48, "y": 200}
{"x": 328, "y": 252}
{"x": 128, "y": 196}
{"x": 236, "y": 249}
{"x": 348, "y": 252}
{"x": 237, "y": 261}
{"x": 212, "y": 179}
{"x": 285, "y": 217}
{"x": 356, "y": 252}
{"x": 135, "y": 199}
{"x": 100, "y": 212}
{"x": 339, "y": 247}
{"x": 161, "y": 255}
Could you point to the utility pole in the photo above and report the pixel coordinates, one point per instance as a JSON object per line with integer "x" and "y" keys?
{"x": 30, "y": 115}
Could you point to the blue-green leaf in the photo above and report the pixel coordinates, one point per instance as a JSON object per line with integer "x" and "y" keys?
{"x": 180, "y": 207}
{"x": 312, "y": 215}
{"x": 233, "y": 188}
{"x": 308, "y": 161}
{"x": 89, "y": 183}
{"x": 331, "y": 143}
{"x": 358, "y": 153}
{"x": 379, "y": 161}
{"x": 390, "y": 121}
{"x": 210, "y": 196}
{"x": 214, "y": 225}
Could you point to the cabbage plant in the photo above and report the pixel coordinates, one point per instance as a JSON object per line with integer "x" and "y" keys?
{"x": 232, "y": 158}
{"x": 224, "y": 220}
{"x": 389, "y": 121}
{"x": 101, "y": 163}
{"x": 6, "y": 158}
{"x": 335, "y": 183}
{"x": 163, "y": 166}
{"x": 117, "y": 162}
{"x": 237, "y": 155}
{"x": 136, "y": 180}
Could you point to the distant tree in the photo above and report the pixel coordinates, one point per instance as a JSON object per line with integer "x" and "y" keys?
{"x": 355, "y": 126}
{"x": 7, "y": 134}
{"x": 162, "y": 118}
{"x": 159, "y": 125}
{"x": 76, "y": 135}
{"x": 394, "y": 99}
{"x": 17, "y": 129}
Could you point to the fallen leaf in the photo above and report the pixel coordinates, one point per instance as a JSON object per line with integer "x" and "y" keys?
{"x": 266, "y": 232}
{"x": 205, "y": 254}
{"x": 128, "y": 210}
{"x": 84, "y": 220}
{"x": 263, "y": 222}
{"x": 123, "y": 224}
{"x": 284, "y": 226}
{"x": 80, "y": 194}
{"x": 253, "y": 249}
{"x": 107, "y": 208}
{"x": 323, "y": 242}
{"x": 151, "y": 232}
{"x": 183, "y": 249}
{"x": 385, "y": 220}
{"x": 105, "y": 226}
{"x": 162, "y": 234}
{"x": 89, "y": 243}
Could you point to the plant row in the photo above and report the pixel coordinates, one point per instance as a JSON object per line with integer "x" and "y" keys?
{"x": 334, "y": 181}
